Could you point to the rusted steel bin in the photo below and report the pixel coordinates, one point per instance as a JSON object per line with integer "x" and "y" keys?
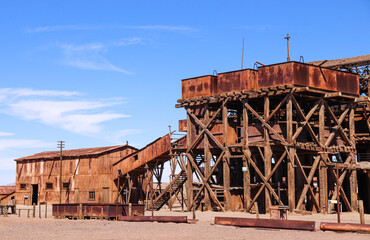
{"x": 308, "y": 75}
{"x": 199, "y": 86}
{"x": 246, "y": 79}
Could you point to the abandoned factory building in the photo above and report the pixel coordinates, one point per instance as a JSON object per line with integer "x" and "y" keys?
{"x": 86, "y": 175}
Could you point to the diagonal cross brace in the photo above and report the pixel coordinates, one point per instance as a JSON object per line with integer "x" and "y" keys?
{"x": 266, "y": 182}
{"x": 214, "y": 198}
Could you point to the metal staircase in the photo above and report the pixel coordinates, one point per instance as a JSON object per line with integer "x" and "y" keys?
{"x": 172, "y": 188}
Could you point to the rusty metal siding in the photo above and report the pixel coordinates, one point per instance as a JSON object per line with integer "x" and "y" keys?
{"x": 307, "y": 75}
{"x": 197, "y": 87}
{"x": 236, "y": 81}
{"x": 295, "y": 73}
{"x": 88, "y": 174}
{"x": 153, "y": 151}
{"x": 183, "y": 125}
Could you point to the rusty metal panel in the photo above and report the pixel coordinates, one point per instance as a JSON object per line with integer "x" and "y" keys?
{"x": 157, "y": 150}
{"x": 266, "y": 223}
{"x": 348, "y": 83}
{"x": 199, "y": 86}
{"x": 96, "y": 210}
{"x": 308, "y": 75}
{"x": 175, "y": 219}
{"x": 237, "y": 81}
{"x": 183, "y": 127}
{"x": 83, "y": 174}
{"x": 74, "y": 153}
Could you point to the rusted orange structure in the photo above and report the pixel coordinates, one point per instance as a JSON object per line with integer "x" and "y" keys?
{"x": 285, "y": 125}
{"x": 87, "y": 176}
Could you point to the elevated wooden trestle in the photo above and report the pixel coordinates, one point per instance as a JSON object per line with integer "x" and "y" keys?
{"x": 251, "y": 142}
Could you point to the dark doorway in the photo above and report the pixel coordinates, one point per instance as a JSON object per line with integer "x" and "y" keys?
{"x": 35, "y": 192}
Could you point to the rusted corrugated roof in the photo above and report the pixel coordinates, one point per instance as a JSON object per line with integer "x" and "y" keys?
{"x": 5, "y": 190}
{"x": 359, "y": 60}
{"x": 74, "y": 153}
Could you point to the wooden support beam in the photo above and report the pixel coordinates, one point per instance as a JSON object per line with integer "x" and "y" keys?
{"x": 265, "y": 181}
{"x": 265, "y": 124}
{"x": 246, "y": 165}
{"x": 353, "y": 173}
{"x": 226, "y": 159}
{"x": 308, "y": 180}
{"x": 219, "y": 159}
{"x": 291, "y": 153}
{"x": 323, "y": 170}
{"x": 207, "y": 160}
{"x": 267, "y": 152}
{"x": 205, "y": 182}
{"x": 189, "y": 169}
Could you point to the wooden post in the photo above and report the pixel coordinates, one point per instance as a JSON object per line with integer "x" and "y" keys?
{"x": 19, "y": 213}
{"x": 353, "y": 172}
{"x": 323, "y": 170}
{"x": 130, "y": 209}
{"x": 34, "y": 210}
{"x": 207, "y": 161}
{"x": 39, "y": 210}
{"x": 246, "y": 174}
{"x": 226, "y": 159}
{"x": 267, "y": 153}
{"x": 28, "y": 213}
{"x": 80, "y": 210}
{"x": 46, "y": 210}
{"x": 290, "y": 164}
{"x": 257, "y": 211}
{"x": 189, "y": 171}
{"x": 361, "y": 210}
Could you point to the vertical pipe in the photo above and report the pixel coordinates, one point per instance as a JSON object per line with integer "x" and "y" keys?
{"x": 338, "y": 198}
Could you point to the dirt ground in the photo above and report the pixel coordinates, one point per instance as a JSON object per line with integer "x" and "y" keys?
{"x": 14, "y": 227}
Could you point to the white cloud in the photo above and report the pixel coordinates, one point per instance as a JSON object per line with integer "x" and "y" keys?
{"x": 74, "y": 116}
{"x": 89, "y": 57}
{"x": 128, "y": 41}
{"x": 11, "y": 144}
{"x": 79, "y": 116}
{"x": 119, "y": 136}
{"x": 56, "y": 28}
{"x": 5, "y": 134}
{"x": 7, "y": 94}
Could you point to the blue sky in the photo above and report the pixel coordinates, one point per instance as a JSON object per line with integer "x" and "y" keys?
{"x": 98, "y": 73}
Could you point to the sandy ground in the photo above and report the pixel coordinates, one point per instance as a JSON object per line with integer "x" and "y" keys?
{"x": 14, "y": 227}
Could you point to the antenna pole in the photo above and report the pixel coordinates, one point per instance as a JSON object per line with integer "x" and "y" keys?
{"x": 243, "y": 53}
